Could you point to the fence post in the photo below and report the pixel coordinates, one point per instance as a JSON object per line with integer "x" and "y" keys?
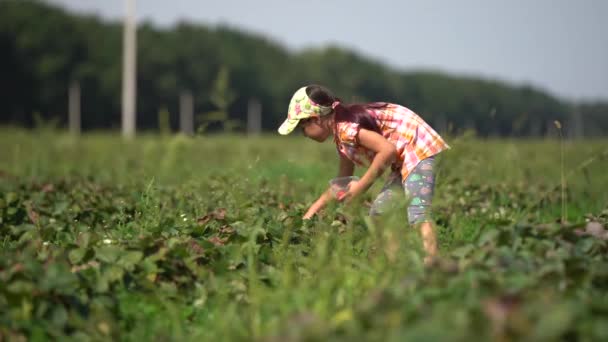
{"x": 578, "y": 129}
{"x": 441, "y": 125}
{"x": 254, "y": 117}
{"x": 186, "y": 113}
{"x": 74, "y": 108}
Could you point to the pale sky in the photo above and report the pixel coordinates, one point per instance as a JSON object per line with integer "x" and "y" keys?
{"x": 559, "y": 46}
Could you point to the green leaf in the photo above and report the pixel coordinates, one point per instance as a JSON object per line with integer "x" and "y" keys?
{"x": 129, "y": 259}
{"x": 84, "y": 239}
{"x": 60, "y": 208}
{"x": 554, "y": 322}
{"x": 76, "y": 255}
{"x": 463, "y": 251}
{"x": 58, "y": 277}
{"x": 60, "y": 316}
{"x": 112, "y": 274}
{"x": 11, "y": 197}
{"x": 20, "y": 286}
{"x": 149, "y": 266}
{"x": 108, "y": 254}
{"x": 488, "y": 236}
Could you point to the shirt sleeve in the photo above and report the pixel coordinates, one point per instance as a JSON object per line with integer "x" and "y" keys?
{"x": 348, "y": 133}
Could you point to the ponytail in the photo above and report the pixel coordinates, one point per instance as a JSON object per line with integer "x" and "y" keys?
{"x": 355, "y": 113}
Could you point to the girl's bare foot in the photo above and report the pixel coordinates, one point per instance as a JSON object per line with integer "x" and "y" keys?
{"x": 430, "y": 260}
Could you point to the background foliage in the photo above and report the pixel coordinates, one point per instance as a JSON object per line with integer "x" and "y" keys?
{"x": 43, "y": 49}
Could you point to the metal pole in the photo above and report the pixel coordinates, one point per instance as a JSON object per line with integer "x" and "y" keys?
{"x": 128, "y": 71}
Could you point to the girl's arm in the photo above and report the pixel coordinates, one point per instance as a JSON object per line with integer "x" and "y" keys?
{"x": 386, "y": 153}
{"x": 347, "y": 168}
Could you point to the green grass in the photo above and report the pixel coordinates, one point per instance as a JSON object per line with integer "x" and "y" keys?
{"x": 170, "y": 238}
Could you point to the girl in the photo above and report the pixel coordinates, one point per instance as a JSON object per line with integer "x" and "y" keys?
{"x": 378, "y": 134}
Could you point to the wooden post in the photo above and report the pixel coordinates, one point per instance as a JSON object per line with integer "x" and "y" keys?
{"x": 186, "y": 113}
{"x": 535, "y": 128}
{"x": 441, "y": 125}
{"x": 254, "y": 117}
{"x": 578, "y": 129}
{"x": 129, "y": 70}
{"x": 74, "y": 108}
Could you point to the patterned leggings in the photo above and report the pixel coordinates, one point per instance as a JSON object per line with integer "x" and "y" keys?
{"x": 418, "y": 186}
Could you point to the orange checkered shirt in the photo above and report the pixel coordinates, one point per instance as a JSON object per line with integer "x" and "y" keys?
{"x": 414, "y": 139}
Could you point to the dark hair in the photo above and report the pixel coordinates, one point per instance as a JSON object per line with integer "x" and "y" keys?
{"x": 356, "y": 113}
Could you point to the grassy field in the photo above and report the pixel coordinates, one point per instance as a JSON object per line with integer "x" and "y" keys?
{"x": 171, "y": 238}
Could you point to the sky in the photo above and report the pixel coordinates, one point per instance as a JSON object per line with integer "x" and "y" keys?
{"x": 558, "y": 46}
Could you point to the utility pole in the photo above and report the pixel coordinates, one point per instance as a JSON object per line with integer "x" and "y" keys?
{"x": 129, "y": 57}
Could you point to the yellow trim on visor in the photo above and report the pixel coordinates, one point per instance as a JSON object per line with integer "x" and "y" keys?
{"x": 288, "y": 126}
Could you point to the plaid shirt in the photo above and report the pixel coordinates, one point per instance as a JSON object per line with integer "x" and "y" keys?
{"x": 414, "y": 139}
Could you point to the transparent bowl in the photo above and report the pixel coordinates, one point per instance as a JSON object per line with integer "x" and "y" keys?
{"x": 340, "y": 185}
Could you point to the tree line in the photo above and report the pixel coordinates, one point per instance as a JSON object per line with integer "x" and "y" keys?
{"x": 44, "y": 49}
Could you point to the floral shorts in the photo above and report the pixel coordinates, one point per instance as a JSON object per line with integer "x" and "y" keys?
{"x": 418, "y": 186}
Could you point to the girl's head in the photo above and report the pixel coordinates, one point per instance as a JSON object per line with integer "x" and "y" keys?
{"x": 316, "y": 111}
{"x": 310, "y": 109}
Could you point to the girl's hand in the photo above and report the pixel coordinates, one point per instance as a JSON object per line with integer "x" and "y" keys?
{"x": 354, "y": 189}
{"x": 308, "y": 215}
{"x": 320, "y": 203}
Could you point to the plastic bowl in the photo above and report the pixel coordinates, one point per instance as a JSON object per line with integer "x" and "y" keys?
{"x": 340, "y": 185}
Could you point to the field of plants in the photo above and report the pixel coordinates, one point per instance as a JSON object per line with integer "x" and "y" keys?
{"x": 175, "y": 238}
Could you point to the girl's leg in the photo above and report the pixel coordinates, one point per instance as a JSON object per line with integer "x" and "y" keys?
{"x": 429, "y": 241}
{"x": 419, "y": 187}
{"x": 386, "y": 195}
